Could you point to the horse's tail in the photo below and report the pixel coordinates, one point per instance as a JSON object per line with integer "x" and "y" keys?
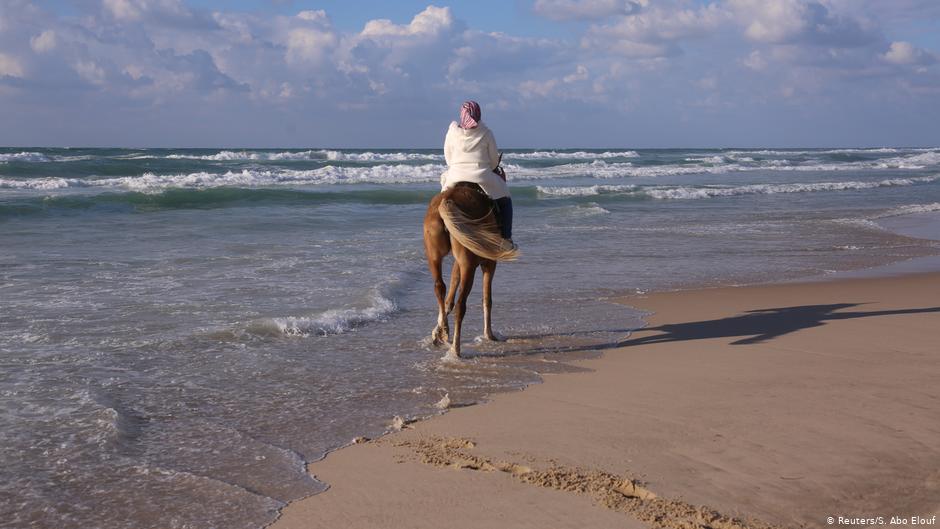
{"x": 480, "y": 236}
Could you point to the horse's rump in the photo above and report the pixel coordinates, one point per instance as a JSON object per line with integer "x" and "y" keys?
{"x": 471, "y": 220}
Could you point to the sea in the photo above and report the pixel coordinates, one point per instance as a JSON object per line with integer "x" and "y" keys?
{"x": 182, "y": 331}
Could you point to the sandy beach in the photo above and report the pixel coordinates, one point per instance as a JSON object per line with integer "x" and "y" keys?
{"x": 759, "y": 406}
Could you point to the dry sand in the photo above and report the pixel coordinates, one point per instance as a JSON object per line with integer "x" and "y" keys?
{"x": 759, "y": 406}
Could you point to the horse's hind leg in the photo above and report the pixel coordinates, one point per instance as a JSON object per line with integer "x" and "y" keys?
{"x": 436, "y": 247}
{"x": 454, "y": 283}
{"x": 467, "y": 269}
{"x": 489, "y": 269}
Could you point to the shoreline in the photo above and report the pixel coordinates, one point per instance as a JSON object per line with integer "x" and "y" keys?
{"x": 442, "y": 449}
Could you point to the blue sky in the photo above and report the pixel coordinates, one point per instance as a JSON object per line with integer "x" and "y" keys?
{"x": 548, "y": 73}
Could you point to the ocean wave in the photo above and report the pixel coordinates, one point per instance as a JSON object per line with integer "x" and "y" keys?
{"x": 371, "y": 156}
{"x": 378, "y": 174}
{"x": 691, "y": 193}
{"x": 308, "y": 155}
{"x": 335, "y": 321}
{"x": 726, "y": 164}
{"x": 584, "y": 191}
{"x": 916, "y": 161}
{"x": 687, "y": 193}
{"x": 381, "y": 156}
{"x": 586, "y": 210}
{"x": 860, "y": 150}
{"x": 46, "y": 183}
{"x": 239, "y": 156}
{"x": 909, "y": 209}
{"x": 23, "y": 157}
{"x": 404, "y": 173}
{"x": 565, "y": 155}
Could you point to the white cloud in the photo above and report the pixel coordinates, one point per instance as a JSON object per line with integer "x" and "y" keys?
{"x": 529, "y": 89}
{"x": 312, "y": 39}
{"x": 586, "y": 9}
{"x": 656, "y": 32}
{"x": 800, "y": 21}
{"x": 580, "y": 74}
{"x": 90, "y": 71}
{"x": 43, "y": 42}
{"x": 9, "y": 66}
{"x": 901, "y": 52}
{"x": 318, "y": 16}
{"x": 123, "y": 9}
{"x": 755, "y": 61}
{"x": 155, "y": 11}
{"x": 770, "y": 20}
{"x": 432, "y": 21}
{"x": 309, "y": 45}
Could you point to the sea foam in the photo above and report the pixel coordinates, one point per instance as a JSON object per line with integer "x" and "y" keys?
{"x": 908, "y": 209}
{"x": 376, "y": 174}
{"x": 312, "y": 155}
{"x": 46, "y": 183}
{"x": 334, "y": 321}
{"x": 23, "y": 157}
{"x": 691, "y": 192}
{"x": 567, "y": 155}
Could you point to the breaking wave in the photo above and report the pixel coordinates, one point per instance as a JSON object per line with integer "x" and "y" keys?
{"x": 335, "y": 321}
{"x": 377, "y": 174}
{"x": 584, "y": 191}
{"x": 909, "y": 209}
{"x": 568, "y": 155}
{"x": 40, "y": 183}
{"x": 240, "y": 156}
{"x": 309, "y": 155}
{"x": 691, "y": 193}
{"x": 23, "y": 157}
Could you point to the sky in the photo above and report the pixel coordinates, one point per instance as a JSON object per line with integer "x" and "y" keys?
{"x": 547, "y": 73}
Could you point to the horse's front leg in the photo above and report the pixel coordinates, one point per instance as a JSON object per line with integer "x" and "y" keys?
{"x": 440, "y": 333}
{"x": 489, "y": 269}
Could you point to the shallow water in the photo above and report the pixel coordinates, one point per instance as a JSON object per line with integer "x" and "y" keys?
{"x": 181, "y": 330}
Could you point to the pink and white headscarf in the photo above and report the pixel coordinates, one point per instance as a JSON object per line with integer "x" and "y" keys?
{"x": 469, "y": 115}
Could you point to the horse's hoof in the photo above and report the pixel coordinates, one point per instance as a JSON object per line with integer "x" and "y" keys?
{"x": 439, "y": 337}
{"x": 452, "y": 355}
{"x": 494, "y": 338}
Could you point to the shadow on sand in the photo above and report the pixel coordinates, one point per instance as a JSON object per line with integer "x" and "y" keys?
{"x": 755, "y": 326}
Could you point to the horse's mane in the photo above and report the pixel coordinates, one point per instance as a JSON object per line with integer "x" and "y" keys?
{"x": 471, "y": 221}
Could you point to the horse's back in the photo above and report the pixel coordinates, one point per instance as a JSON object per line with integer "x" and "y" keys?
{"x": 469, "y": 199}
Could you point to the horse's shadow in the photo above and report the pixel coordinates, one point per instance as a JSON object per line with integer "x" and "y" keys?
{"x": 751, "y": 327}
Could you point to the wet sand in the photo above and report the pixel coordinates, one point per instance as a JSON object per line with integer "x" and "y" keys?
{"x": 773, "y": 405}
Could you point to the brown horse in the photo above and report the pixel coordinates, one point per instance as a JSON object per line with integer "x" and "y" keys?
{"x": 462, "y": 220}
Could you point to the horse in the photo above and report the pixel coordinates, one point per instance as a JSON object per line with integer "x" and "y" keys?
{"x": 462, "y": 220}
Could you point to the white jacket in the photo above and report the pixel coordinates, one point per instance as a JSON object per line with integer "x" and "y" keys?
{"x": 471, "y": 156}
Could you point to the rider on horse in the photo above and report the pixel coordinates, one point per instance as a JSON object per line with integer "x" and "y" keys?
{"x": 471, "y": 155}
